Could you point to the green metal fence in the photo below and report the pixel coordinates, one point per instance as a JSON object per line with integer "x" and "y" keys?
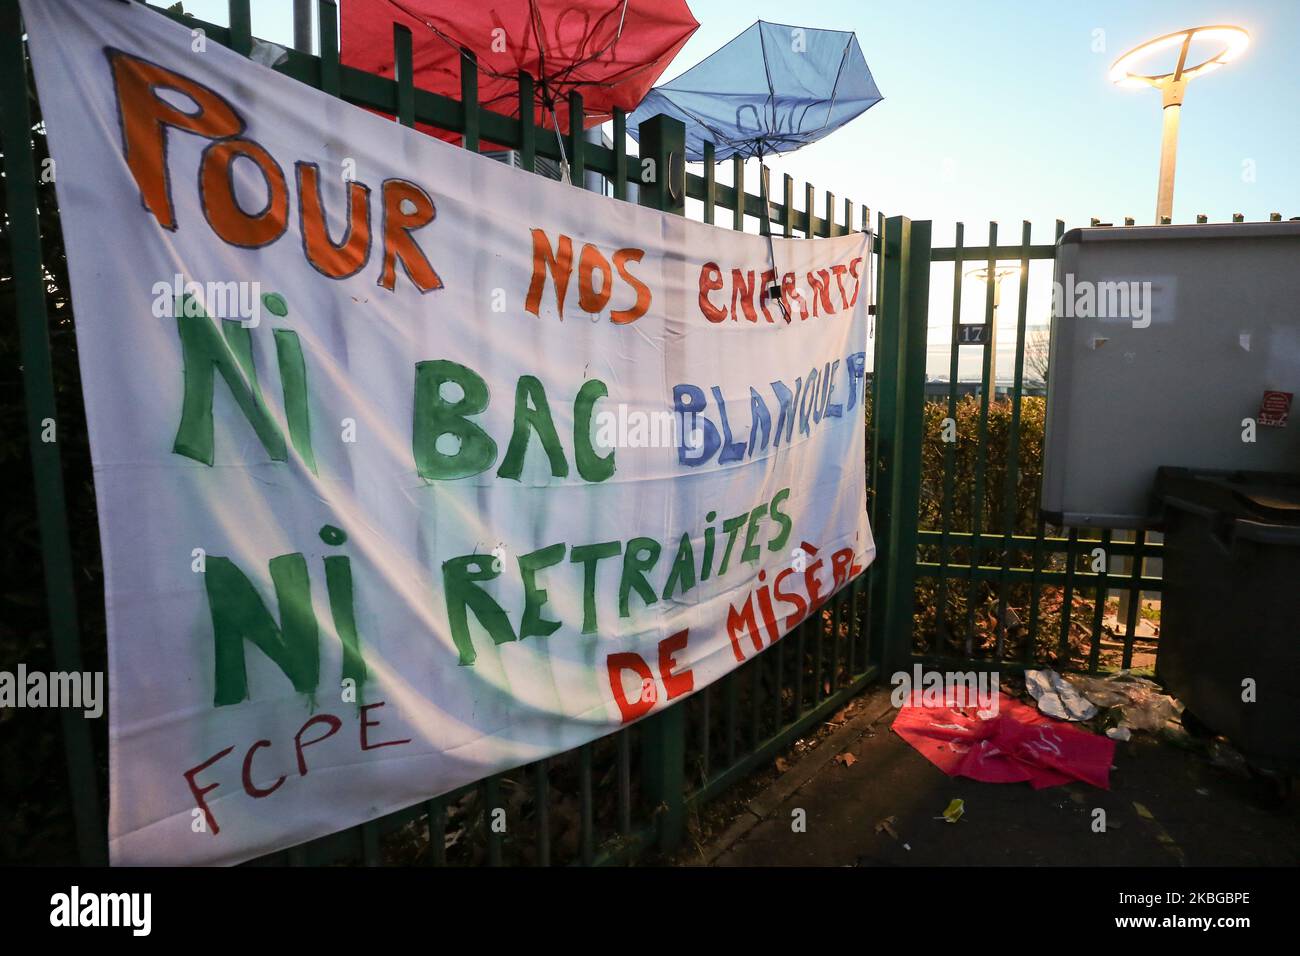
{"x": 995, "y": 586}
{"x": 618, "y": 797}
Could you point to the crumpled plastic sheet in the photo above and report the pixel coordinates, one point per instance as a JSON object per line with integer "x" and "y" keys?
{"x": 1142, "y": 704}
{"x": 1057, "y": 697}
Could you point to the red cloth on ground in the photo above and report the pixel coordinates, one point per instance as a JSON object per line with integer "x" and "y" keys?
{"x": 1016, "y": 744}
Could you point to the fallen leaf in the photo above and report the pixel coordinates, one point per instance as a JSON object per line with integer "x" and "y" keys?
{"x": 887, "y": 825}
{"x": 846, "y": 759}
{"x": 782, "y": 765}
{"x": 954, "y": 811}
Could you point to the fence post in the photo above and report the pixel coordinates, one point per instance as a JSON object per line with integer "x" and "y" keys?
{"x": 38, "y": 392}
{"x": 663, "y": 140}
{"x": 900, "y": 360}
{"x": 663, "y": 742}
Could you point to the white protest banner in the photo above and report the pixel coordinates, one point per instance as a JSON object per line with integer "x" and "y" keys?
{"x": 412, "y": 467}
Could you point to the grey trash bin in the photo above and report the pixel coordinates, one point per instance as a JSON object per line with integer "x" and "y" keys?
{"x": 1230, "y": 607}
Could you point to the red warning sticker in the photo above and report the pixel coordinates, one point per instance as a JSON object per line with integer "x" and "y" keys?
{"x": 1275, "y": 409}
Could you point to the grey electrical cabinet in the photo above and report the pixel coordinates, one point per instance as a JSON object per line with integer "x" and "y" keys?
{"x": 1171, "y": 345}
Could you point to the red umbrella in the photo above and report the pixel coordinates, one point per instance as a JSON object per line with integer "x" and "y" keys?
{"x": 611, "y": 51}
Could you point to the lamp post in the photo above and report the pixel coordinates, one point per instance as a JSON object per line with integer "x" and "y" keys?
{"x": 999, "y": 273}
{"x": 985, "y": 334}
{"x": 1173, "y": 87}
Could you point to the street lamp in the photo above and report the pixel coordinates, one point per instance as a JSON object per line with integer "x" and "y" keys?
{"x": 981, "y": 333}
{"x": 1173, "y": 86}
{"x": 999, "y": 273}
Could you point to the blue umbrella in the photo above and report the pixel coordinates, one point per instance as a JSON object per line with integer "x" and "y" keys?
{"x": 771, "y": 90}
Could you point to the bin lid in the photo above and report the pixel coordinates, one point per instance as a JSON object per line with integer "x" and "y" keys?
{"x": 1271, "y": 497}
{"x": 1275, "y": 501}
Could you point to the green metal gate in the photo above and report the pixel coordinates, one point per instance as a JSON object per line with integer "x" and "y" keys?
{"x": 994, "y": 586}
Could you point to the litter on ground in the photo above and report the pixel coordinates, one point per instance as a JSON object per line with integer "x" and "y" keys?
{"x": 954, "y": 810}
{"x": 1057, "y": 697}
{"x": 1141, "y": 702}
{"x": 1016, "y": 744}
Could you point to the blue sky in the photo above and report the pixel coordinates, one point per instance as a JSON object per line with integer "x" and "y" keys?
{"x": 1001, "y": 110}
{"x": 998, "y": 109}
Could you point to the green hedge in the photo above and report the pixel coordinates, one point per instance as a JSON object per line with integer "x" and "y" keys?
{"x": 971, "y": 609}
